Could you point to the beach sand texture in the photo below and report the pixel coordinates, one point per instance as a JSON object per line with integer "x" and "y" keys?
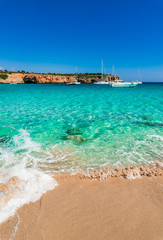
{"x": 83, "y": 209}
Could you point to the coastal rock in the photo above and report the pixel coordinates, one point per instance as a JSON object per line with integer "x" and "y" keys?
{"x": 76, "y": 139}
{"x": 30, "y": 79}
{"x": 44, "y": 78}
{"x": 13, "y": 78}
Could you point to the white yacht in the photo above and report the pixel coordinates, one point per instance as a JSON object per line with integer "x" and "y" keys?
{"x": 120, "y": 83}
{"x": 76, "y": 83}
{"x": 101, "y": 82}
{"x": 139, "y": 77}
{"x": 138, "y": 82}
{"x": 73, "y": 83}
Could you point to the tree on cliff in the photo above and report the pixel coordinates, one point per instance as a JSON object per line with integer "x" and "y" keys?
{"x": 3, "y": 76}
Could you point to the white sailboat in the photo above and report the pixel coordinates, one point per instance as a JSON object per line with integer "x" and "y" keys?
{"x": 121, "y": 83}
{"x": 139, "y": 77}
{"x": 75, "y": 82}
{"x": 101, "y": 81}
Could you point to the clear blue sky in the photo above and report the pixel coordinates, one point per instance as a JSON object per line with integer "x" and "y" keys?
{"x": 57, "y": 36}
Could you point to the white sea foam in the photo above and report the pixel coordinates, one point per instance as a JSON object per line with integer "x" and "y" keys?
{"x": 23, "y": 158}
{"x": 142, "y": 152}
{"x": 30, "y": 182}
{"x": 33, "y": 184}
{"x": 156, "y": 136}
{"x": 133, "y": 174}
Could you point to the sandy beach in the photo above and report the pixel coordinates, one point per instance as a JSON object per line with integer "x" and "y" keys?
{"x": 81, "y": 208}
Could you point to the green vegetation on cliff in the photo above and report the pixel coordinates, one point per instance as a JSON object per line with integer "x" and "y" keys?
{"x": 3, "y": 76}
{"x": 4, "y": 73}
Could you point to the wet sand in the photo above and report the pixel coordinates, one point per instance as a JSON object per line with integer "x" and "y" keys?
{"x": 83, "y": 209}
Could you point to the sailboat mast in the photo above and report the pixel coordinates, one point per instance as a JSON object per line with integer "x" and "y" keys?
{"x": 112, "y": 70}
{"x": 102, "y": 68}
{"x": 77, "y": 73}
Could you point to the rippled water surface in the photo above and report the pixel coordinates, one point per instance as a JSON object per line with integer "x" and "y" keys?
{"x": 52, "y": 128}
{"x": 65, "y": 128}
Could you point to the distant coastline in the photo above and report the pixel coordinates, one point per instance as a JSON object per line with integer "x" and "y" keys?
{"x": 22, "y": 77}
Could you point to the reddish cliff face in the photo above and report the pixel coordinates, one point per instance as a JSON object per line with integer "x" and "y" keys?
{"x": 35, "y": 78}
{"x": 113, "y": 78}
{"x": 40, "y": 78}
{"x": 13, "y": 78}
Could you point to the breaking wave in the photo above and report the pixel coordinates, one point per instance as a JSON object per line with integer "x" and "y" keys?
{"x": 20, "y": 181}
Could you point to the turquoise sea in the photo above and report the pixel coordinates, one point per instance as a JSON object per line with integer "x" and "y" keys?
{"x": 50, "y": 128}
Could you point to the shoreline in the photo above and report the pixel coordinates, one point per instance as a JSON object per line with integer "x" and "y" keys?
{"x": 131, "y": 171}
{"x": 83, "y": 207}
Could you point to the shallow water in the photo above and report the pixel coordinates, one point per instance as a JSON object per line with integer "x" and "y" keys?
{"x": 48, "y": 128}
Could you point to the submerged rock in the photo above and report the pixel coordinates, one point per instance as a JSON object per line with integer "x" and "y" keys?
{"x": 144, "y": 117}
{"x": 75, "y": 139}
{"x": 150, "y": 124}
{"x": 74, "y": 134}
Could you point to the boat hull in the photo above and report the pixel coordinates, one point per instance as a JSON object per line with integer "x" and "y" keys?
{"x": 123, "y": 85}
{"x": 101, "y": 83}
{"x": 73, "y": 83}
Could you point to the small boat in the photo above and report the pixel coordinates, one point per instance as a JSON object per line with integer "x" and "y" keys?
{"x": 121, "y": 83}
{"x": 76, "y": 83}
{"x": 139, "y": 77}
{"x": 73, "y": 83}
{"x": 139, "y": 82}
{"x": 101, "y": 81}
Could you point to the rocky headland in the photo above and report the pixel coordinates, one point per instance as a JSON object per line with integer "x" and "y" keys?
{"x": 14, "y": 78}
{"x": 21, "y": 78}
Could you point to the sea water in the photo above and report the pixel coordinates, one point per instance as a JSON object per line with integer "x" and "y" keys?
{"x": 55, "y": 128}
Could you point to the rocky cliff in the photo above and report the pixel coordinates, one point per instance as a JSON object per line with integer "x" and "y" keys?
{"x": 35, "y": 78}
{"x": 45, "y": 78}
{"x": 13, "y": 78}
